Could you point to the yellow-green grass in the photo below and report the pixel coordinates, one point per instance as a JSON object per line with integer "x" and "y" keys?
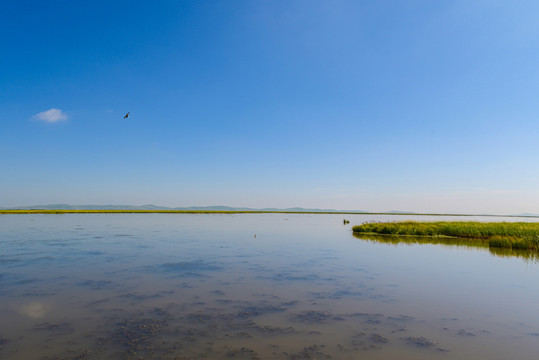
{"x": 101, "y": 211}
{"x": 78, "y": 211}
{"x": 514, "y": 235}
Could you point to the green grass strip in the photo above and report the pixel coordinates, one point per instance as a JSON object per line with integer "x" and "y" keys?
{"x": 75, "y": 211}
{"x": 120, "y": 211}
{"x": 514, "y": 235}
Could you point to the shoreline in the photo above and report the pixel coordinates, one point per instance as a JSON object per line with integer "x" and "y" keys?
{"x": 120, "y": 211}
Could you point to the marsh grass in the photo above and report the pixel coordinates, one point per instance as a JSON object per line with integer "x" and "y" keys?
{"x": 514, "y": 235}
{"x": 77, "y": 211}
{"x": 107, "y": 211}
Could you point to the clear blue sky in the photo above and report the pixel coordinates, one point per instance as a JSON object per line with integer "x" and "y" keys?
{"x": 427, "y": 106}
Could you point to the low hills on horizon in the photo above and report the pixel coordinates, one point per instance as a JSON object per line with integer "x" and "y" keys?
{"x": 150, "y": 207}
{"x": 156, "y": 207}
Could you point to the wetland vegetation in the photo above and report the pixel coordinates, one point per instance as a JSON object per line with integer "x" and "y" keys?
{"x": 128, "y": 211}
{"x": 123, "y": 211}
{"x": 514, "y": 235}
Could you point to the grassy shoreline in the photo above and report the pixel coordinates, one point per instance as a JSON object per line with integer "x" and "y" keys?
{"x": 517, "y": 235}
{"x": 92, "y": 211}
{"x": 120, "y": 211}
{"x": 75, "y": 211}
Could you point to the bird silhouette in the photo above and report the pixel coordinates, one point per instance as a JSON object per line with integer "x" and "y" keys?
{"x": 126, "y": 116}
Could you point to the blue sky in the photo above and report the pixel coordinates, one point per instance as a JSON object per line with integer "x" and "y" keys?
{"x": 427, "y": 106}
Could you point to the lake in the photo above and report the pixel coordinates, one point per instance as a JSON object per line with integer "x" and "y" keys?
{"x": 256, "y": 286}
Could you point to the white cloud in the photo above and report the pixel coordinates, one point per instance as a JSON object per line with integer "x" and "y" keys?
{"x": 51, "y": 115}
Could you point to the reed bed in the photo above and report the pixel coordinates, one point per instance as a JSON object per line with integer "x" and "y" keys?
{"x": 514, "y": 235}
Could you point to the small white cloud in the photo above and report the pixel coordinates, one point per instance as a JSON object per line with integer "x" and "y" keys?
{"x": 51, "y": 116}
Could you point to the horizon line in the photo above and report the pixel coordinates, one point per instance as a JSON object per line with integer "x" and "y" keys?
{"x": 15, "y": 211}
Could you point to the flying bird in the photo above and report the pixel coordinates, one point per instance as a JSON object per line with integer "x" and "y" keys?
{"x": 126, "y": 116}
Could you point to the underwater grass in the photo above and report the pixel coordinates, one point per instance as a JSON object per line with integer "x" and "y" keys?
{"x": 511, "y": 235}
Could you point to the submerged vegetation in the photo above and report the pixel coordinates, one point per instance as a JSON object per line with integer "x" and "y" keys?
{"x": 514, "y": 235}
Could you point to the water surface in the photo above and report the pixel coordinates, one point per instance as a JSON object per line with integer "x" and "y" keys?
{"x": 255, "y": 286}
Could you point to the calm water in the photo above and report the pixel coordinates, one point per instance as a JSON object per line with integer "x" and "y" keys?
{"x": 158, "y": 286}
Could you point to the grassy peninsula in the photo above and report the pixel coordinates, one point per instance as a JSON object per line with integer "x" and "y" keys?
{"x": 514, "y": 235}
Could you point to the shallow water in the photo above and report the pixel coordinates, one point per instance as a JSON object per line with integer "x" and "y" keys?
{"x": 191, "y": 286}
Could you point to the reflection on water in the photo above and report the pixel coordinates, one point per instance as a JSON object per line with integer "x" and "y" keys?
{"x": 393, "y": 239}
{"x": 34, "y": 310}
{"x": 168, "y": 286}
{"x": 526, "y": 255}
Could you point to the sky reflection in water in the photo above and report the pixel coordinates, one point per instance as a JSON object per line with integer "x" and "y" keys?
{"x": 172, "y": 286}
